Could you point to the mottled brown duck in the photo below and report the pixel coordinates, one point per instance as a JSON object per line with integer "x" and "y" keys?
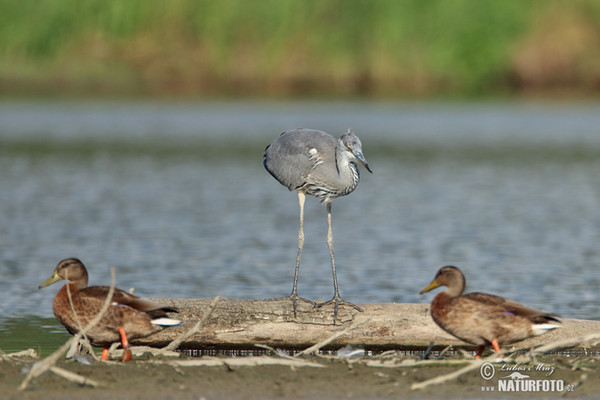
{"x": 128, "y": 317}
{"x": 484, "y": 319}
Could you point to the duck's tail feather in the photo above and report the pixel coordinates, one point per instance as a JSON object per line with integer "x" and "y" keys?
{"x": 166, "y": 321}
{"x": 541, "y": 328}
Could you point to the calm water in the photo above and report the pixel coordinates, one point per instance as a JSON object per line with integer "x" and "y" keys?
{"x": 174, "y": 195}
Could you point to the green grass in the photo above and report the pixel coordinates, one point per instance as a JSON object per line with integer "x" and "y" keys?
{"x": 275, "y": 47}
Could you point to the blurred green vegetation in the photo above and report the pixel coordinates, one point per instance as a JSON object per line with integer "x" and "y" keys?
{"x": 44, "y": 335}
{"x": 390, "y": 48}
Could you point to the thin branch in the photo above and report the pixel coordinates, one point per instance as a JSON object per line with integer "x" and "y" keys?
{"x": 42, "y": 366}
{"x": 85, "y": 341}
{"x": 140, "y": 350}
{"x": 566, "y": 343}
{"x": 240, "y": 362}
{"x": 177, "y": 342}
{"x": 414, "y": 363}
{"x": 560, "y": 344}
{"x": 275, "y": 351}
{"x": 73, "y": 377}
{"x": 453, "y": 375}
{"x": 19, "y": 354}
{"x": 315, "y": 348}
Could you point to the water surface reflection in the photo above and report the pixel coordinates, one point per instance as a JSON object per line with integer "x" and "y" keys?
{"x": 176, "y": 198}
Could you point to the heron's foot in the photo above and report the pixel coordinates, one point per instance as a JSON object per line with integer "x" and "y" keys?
{"x": 337, "y": 301}
{"x": 294, "y": 297}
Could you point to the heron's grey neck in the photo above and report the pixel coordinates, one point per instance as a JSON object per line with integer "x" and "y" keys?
{"x": 347, "y": 169}
{"x": 336, "y": 181}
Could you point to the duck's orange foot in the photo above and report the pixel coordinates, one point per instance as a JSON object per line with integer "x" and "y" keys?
{"x": 125, "y": 345}
{"x": 495, "y": 345}
{"x": 126, "y": 355}
{"x": 105, "y": 354}
{"x": 479, "y": 351}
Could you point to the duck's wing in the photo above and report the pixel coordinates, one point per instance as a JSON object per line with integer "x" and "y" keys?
{"x": 128, "y": 299}
{"x": 500, "y": 304}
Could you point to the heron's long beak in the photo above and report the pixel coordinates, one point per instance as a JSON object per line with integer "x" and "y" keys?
{"x": 360, "y": 156}
{"x": 431, "y": 286}
{"x": 51, "y": 280}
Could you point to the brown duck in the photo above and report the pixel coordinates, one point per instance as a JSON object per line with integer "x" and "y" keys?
{"x": 128, "y": 316}
{"x": 484, "y": 319}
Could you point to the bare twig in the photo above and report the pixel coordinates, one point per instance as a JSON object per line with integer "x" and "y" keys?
{"x": 240, "y": 362}
{"x": 274, "y": 351}
{"x": 73, "y": 377}
{"x": 413, "y": 363}
{"x": 86, "y": 343}
{"x": 24, "y": 353}
{"x": 444, "y": 352}
{"x": 453, "y": 375}
{"x": 140, "y": 350}
{"x": 315, "y": 348}
{"x": 42, "y": 366}
{"x": 177, "y": 342}
{"x": 560, "y": 344}
{"x": 566, "y": 343}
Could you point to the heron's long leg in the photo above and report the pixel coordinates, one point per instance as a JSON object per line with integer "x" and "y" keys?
{"x": 336, "y": 300}
{"x": 294, "y": 295}
{"x": 336, "y": 293}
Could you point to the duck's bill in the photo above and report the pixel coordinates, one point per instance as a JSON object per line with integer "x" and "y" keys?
{"x": 431, "y": 286}
{"x": 50, "y": 281}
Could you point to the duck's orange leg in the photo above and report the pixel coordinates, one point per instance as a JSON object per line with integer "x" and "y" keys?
{"x": 479, "y": 351}
{"x": 105, "y": 354}
{"x": 495, "y": 345}
{"x": 125, "y": 345}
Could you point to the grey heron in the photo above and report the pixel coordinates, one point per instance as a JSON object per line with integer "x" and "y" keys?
{"x": 315, "y": 163}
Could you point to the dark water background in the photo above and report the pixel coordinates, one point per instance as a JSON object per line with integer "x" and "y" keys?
{"x": 174, "y": 195}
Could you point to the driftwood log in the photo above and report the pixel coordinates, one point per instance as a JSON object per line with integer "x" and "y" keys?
{"x": 243, "y": 324}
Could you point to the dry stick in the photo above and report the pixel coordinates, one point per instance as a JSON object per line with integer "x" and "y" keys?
{"x": 240, "y": 362}
{"x": 413, "y": 363}
{"x": 274, "y": 351}
{"x": 560, "y": 344}
{"x": 320, "y": 345}
{"x": 85, "y": 342}
{"x": 177, "y": 342}
{"x": 4, "y": 356}
{"x": 565, "y": 343}
{"x": 73, "y": 377}
{"x": 42, "y": 366}
{"x": 23, "y": 353}
{"x": 443, "y": 378}
{"x": 444, "y": 351}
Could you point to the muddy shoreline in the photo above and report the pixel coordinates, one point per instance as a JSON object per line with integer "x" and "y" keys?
{"x": 383, "y": 376}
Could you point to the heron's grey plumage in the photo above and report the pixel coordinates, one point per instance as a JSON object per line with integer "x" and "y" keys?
{"x": 313, "y": 162}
